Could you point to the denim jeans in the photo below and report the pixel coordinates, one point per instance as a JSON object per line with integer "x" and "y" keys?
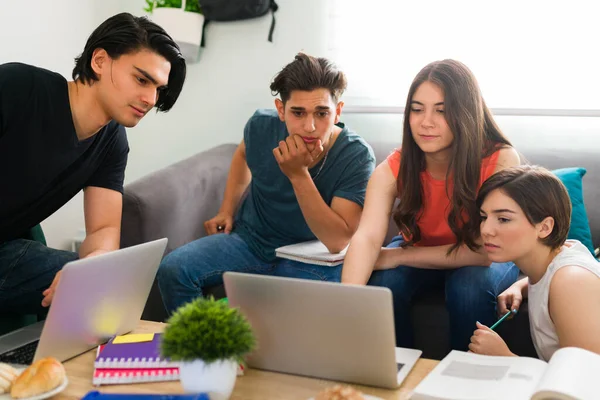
{"x": 27, "y": 268}
{"x": 185, "y": 272}
{"x": 471, "y": 294}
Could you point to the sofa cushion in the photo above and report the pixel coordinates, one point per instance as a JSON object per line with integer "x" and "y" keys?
{"x": 566, "y": 158}
{"x": 580, "y": 227}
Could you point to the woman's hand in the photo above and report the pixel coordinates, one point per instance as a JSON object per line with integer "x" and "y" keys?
{"x": 486, "y": 341}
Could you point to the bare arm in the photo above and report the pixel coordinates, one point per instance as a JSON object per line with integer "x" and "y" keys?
{"x": 366, "y": 242}
{"x": 431, "y": 257}
{"x": 333, "y": 225}
{"x": 237, "y": 181}
{"x": 102, "y": 209}
{"x": 508, "y": 157}
{"x": 574, "y": 306}
{"x": 524, "y": 285}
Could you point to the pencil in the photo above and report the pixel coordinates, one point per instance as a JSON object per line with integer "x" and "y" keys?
{"x": 503, "y": 318}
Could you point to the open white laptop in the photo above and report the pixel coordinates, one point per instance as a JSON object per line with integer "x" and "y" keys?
{"x": 322, "y": 329}
{"x": 96, "y": 298}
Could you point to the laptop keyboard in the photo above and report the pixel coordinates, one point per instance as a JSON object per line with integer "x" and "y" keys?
{"x": 20, "y": 355}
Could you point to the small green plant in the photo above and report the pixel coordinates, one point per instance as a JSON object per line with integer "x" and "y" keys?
{"x": 190, "y": 5}
{"x": 208, "y": 330}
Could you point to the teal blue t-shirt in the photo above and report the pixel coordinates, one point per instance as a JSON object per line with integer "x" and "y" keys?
{"x": 270, "y": 216}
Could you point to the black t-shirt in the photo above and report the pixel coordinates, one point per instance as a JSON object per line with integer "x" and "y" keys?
{"x": 42, "y": 162}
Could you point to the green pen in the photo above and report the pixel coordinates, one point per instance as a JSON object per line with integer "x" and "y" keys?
{"x": 503, "y": 318}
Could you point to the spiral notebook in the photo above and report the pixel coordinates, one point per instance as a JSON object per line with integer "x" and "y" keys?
{"x": 133, "y": 355}
{"x": 116, "y": 376}
{"x": 135, "y": 363}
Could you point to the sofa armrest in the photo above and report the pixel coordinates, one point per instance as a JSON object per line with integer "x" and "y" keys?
{"x": 175, "y": 201}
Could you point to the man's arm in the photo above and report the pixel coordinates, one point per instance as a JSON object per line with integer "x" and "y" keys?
{"x": 237, "y": 181}
{"x": 102, "y": 210}
{"x": 335, "y": 225}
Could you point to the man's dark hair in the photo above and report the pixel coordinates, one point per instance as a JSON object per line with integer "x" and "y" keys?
{"x": 309, "y": 73}
{"x": 124, "y": 34}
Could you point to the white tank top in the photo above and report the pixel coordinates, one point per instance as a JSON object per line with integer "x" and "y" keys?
{"x": 543, "y": 331}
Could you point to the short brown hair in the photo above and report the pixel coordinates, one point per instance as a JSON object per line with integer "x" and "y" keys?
{"x": 539, "y": 193}
{"x": 308, "y": 73}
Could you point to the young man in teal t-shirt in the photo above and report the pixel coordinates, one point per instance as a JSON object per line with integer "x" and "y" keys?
{"x": 307, "y": 176}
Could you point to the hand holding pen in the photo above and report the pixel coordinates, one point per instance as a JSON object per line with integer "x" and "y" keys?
{"x": 508, "y": 314}
{"x": 486, "y": 341}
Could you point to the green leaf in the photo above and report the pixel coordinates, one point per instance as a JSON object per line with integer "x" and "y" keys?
{"x": 209, "y": 330}
{"x": 190, "y": 5}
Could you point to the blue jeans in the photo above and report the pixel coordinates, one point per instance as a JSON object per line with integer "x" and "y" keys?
{"x": 185, "y": 272}
{"x": 27, "y": 268}
{"x": 471, "y": 294}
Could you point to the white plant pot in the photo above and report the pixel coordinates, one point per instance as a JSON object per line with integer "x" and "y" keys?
{"x": 184, "y": 27}
{"x": 217, "y": 378}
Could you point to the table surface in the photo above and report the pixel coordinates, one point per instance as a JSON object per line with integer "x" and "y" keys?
{"x": 255, "y": 384}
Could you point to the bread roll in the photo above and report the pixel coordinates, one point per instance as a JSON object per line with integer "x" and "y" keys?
{"x": 7, "y": 376}
{"x": 339, "y": 392}
{"x": 40, "y": 377}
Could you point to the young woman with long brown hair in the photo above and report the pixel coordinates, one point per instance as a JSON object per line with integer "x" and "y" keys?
{"x": 450, "y": 146}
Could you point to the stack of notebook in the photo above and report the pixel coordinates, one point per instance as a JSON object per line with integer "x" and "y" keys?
{"x": 133, "y": 359}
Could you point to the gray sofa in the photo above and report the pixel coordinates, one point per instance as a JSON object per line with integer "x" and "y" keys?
{"x": 175, "y": 201}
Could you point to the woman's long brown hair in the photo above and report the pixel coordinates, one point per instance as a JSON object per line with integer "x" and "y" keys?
{"x": 476, "y": 136}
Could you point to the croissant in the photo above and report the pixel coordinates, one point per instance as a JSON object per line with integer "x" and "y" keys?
{"x": 40, "y": 377}
{"x": 339, "y": 392}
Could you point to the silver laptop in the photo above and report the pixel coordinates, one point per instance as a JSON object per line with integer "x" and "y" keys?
{"x": 322, "y": 329}
{"x": 96, "y": 298}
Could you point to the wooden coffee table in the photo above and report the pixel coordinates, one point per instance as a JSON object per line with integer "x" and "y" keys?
{"x": 254, "y": 385}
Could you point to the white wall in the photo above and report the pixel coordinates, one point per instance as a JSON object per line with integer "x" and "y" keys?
{"x": 228, "y": 83}
{"x": 222, "y": 90}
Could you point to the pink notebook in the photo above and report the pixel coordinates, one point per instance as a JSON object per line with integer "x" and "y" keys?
{"x": 114, "y": 376}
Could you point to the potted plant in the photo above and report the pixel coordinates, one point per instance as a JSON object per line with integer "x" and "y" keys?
{"x": 208, "y": 339}
{"x": 183, "y": 20}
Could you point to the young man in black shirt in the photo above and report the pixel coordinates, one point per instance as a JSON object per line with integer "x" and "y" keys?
{"x": 58, "y": 137}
